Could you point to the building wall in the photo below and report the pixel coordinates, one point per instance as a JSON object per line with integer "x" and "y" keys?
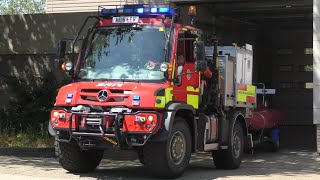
{"x": 316, "y": 68}
{"x": 28, "y": 44}
{"x": 316, "y": 61}
{"x": 63, "y": 6}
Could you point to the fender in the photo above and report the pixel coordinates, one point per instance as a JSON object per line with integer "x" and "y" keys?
{"x": 232, "y": 117}
{"x": 237, "y": 115}
{"x": 51, "y": 131}
{"x": 169, "y": 115}
{"x": 175, "y": 107}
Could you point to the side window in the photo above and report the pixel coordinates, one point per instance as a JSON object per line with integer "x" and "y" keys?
{"x": 181, "y": 49}
{"x": 189, "y": 40}
{"x": 185, "y": 47}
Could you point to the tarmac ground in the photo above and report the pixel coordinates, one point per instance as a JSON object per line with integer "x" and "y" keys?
{"x": 286, "y": 164}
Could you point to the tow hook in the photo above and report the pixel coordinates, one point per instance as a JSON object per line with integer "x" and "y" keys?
{"x": 110, "y": 140}
{"x": 106, "y": 138}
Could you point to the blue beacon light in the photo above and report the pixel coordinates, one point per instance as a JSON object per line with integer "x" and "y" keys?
{"x": 136, "y": 97}
{"x": 140, "y": 10}
{"x": 154, "y": 10}
{"x": 137, "y": 10}
{"x": 69, "y": 95}
{"x": 164, "y": 10}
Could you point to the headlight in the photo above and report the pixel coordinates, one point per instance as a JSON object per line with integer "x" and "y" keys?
{"x": 164, "y": 67}
{"x": 68, "y": 66}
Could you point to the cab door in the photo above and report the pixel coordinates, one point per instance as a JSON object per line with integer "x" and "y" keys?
{"x": 187, "y": 90}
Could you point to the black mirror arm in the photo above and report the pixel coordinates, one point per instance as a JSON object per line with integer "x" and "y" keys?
{"x": 77, "y": 37}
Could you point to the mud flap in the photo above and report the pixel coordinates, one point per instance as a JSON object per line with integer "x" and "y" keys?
{"x": 51, "y": 131}
{"x": 224, "y": 131}
{"x": 249, "y": 144}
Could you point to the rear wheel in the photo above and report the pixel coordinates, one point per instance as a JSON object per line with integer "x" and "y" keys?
{"x": 73, "y": 159}
{"x": 168, "y": 159}
{"x": 231, "y": 158}
{"x": 275, "y": 146}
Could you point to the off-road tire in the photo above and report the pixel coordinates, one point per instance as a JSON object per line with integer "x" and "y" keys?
{"x": 275, "y": 146}
{"x": 73, "y": 159}
{"x": 140, "y": 156}
{"x": 272, "y": 146}
{"x": 159, "y": 156}
{"x": 228, "y": 159}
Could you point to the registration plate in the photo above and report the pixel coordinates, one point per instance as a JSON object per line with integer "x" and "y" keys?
{"x": 125, "y": 19}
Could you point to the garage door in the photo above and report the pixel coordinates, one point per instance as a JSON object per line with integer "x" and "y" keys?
{"x": 292, "y": 74}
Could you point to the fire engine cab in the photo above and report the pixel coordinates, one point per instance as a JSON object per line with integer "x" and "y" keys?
{"x": 143, "y": 82}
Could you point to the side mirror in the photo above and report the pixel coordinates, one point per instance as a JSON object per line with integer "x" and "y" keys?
{"x": 62, "y": 49}
{"x": 59, "y": 61}
{"x": 201, "y": 66}
{"x": 199, "y": 51}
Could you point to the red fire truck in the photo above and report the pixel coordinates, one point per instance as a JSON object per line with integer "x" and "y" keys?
{"x": 142, "y": 82}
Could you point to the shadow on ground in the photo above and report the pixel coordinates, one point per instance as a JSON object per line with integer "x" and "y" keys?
{"x": 286, "y": 163}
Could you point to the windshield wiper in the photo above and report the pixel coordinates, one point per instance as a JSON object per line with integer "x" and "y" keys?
{"x": 93, "y": 80}
{"x": 85, "y": 79}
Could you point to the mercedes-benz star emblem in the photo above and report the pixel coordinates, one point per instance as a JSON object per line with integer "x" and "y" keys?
{"x": 102, "y": 95}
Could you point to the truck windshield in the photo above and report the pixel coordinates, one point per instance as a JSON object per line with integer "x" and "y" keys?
{"x": 124, "y": 53}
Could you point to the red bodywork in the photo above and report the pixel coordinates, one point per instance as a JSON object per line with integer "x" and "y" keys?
{"x": 120, "y": 94}
{"x": 264, "y": 118}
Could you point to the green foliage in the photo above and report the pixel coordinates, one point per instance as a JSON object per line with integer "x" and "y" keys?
{"x": 22, "y": 6}
{"x": 27, "y": 139}
{"x": 29, "y": 111}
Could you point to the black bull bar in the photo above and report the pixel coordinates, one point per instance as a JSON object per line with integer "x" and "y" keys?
{"x": 117, "y": 133}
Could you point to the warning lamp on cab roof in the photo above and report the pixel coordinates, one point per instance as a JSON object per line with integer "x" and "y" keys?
{"x": 138, "y": 9}
{"x": 192, "y": 11}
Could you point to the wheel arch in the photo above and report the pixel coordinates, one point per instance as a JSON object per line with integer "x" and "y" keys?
{"x": 178, "y": 109}
{"x": 240, "y": 117}
{"x": 189, "y": 118}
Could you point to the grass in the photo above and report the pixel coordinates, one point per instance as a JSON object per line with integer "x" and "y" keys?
{"x": 28, "y": 140}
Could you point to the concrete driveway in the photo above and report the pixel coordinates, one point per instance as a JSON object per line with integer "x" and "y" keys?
{"x": 286, "y": 164}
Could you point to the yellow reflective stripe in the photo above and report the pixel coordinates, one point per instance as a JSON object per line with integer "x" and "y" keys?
{"x": 172, "y": 72}
{"x": 251, "y": 90}
{"x": 192, "y": 99}
{"x": 164, "y": 99}
{"x": 168, "y": 94}
{"x": 243, "y": 94}
{"x": 163, "y": 102}
{"x": 192, "y": 89}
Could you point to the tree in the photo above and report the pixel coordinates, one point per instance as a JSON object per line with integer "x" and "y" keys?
{"x": 22, "y": 6}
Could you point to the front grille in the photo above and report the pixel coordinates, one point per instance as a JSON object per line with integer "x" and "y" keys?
{"x": 117, "y": 95}
{"x": 89, "y": 98}
{"x": 90, "y": 90}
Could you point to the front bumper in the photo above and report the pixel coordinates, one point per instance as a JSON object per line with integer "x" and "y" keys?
{"x": 121, "y": 131}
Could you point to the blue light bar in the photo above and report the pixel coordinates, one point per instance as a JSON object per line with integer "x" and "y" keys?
{"x": 108, "y": 11}
{"x": 154, "y": 10}
{"x": 128, "y": 11}
{"x": 164, "y": 10}
{"x": 139, "y": 10}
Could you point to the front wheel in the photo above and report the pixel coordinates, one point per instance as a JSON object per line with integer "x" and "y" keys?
{"x": 73, "y": 159}
{"x": 168, "y": 159}
{"x": 232, "y": 157}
